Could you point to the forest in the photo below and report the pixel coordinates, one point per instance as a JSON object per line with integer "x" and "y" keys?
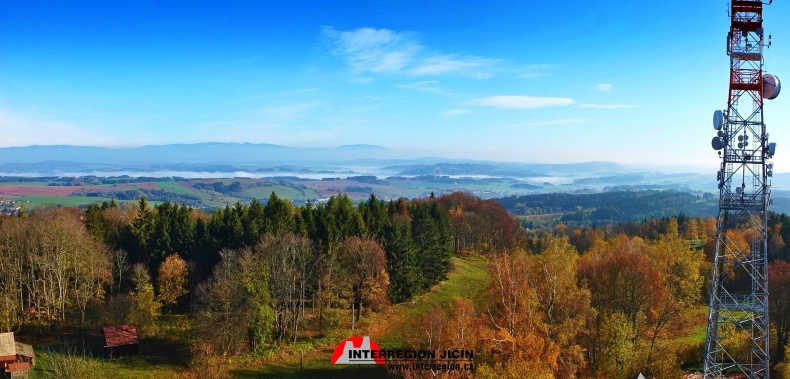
{"x": 244, "y": 285}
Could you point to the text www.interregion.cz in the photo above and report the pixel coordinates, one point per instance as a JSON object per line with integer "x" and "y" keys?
{"x": 430, "y": 366}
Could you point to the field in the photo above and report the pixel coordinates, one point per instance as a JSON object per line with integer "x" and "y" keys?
{"x": 202, "y": 193}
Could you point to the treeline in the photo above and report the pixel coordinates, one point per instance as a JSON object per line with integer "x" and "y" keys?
{"x": 612, "y": 207}
{"x": 150, "y": 194}
{"x": 416, "y": 235}
{"x": 249, "y": 275}
{"x": 61, "y": 261}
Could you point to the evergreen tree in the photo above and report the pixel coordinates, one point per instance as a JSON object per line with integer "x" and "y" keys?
{"x": 401, "y": 260}
{"x": 142, "y": 228}
{"x": 233, "y": 229}
{"x": 254, "y": 222}
{"x": 183, "y": 230}
{"x": 441, "y": 218}
{"x": 426, "y": 241}
{"x": 279, "y": 216}
{"x": 162, "y": 245}
{"x": 93, "y": 222}
{"x": 374, "y": 214}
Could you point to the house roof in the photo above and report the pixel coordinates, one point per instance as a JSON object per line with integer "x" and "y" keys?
{"x": 7, "y": 346}
{"x": 19, "y": 366}
{"x": 120, "y": 335}
{"x": 25, "y": 349}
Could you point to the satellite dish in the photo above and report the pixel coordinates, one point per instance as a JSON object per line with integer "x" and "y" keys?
{"x": 759, "y": 31}
{"x": 720, "y": 134}
{"x": 740, "y": 138}
{"x": 740, "y": 145}
{"x": 718, "y": 119}
{"x": 771, "y": 86}
{"x": 716, "y": 143}
{"x": 738, "y": 189}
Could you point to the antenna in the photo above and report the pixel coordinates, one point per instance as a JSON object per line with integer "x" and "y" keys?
{"x": 739, "y": 283}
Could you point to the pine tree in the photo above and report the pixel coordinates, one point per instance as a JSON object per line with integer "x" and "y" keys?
{"x": 142, "y": 228}
{"x": 279, "y": 215}
{"x": 374, "y": 214}
{"x": 254, "y": 222}
{"x": 426, "y": 241}
{"x": 401, "y": 260}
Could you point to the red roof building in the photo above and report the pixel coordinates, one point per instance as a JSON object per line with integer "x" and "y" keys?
{"x": 120, "y": 340}
{"x": 15, "y": 358}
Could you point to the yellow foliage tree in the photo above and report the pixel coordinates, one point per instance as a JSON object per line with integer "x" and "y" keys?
{"x": 172, "y": 279}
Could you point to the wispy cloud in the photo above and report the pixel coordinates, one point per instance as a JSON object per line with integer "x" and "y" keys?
{"x": 454, "y": 112}
{"x": 373, "y": 50}
{"x": 608, "y": 106}
{"x": 560, "y": 121}
{"x": 474, "y": 67}
{"x": 522, "y": 102}
{"x": 604, "y": 87}
{"x": 369, "y": 50}
{"x": 534, "y": 71}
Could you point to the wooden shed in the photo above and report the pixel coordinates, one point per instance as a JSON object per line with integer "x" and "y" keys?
{"x": 120, "y": 341}
{"x": 7, "y": 350}
{"x": 15, "y": 358}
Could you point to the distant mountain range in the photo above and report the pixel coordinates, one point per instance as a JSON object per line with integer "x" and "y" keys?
{"x": 199, "y": 153}
{"x": 215, "y": 159}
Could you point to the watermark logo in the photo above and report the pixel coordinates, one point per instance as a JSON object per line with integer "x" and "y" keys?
{"x": 363, "y": 351}
{"x": 357, "y": 351}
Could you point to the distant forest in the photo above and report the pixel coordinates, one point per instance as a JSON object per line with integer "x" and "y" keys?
{"x": 611, "y": 207}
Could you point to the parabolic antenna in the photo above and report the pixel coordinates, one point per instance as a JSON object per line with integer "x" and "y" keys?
{"x": 718, "y": 119}
{"x": 716, "y": 143}
{"x": 771, "y": 86}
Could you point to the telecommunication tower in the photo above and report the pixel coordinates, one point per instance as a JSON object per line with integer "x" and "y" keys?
{"x": 737, "y": 334}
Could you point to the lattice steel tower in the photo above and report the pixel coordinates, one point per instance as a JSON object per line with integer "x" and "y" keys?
{"x": 739, "y": 290}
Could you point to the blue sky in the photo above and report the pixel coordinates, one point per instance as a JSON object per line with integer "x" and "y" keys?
{"x": 524, "y": 81}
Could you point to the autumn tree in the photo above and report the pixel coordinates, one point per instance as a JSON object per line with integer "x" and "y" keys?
{"x": 514, "y": 335}
{"x": 363, "y": 264}
{"x": 779, "y": 305}
{"x": 454, "y": 327}
{"x": 564, "y": 306}
{"x": 172, "y": 279}
{"x": 289, "y": 259}
{"x": 146, "y": 307}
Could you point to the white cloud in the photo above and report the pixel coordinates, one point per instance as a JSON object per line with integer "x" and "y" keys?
{"x": 453, "y": 112}
{"x": 604, "y": 87}
{"x": 369, "y": 50}
{"x": 561, "y": 121}
{"x": 608, "y": 106}
{"x": 474, "y": 67}
{"x": 522, "y": 102}
{"x": 373, "y": 50}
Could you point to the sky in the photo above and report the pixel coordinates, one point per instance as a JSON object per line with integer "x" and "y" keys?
{"x": 517, "y": 81}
